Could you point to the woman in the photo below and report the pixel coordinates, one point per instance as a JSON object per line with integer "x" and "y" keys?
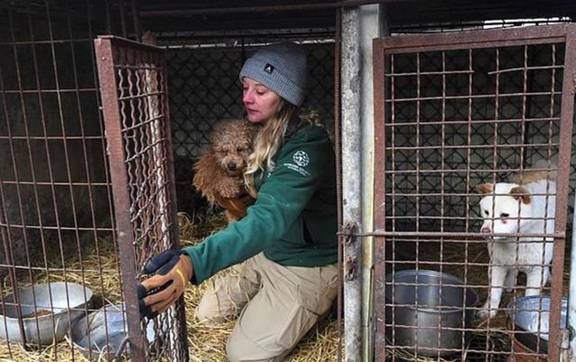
{"x": 288, "y": 238}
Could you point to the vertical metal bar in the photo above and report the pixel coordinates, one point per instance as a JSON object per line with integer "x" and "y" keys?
{"x": 23, "y": 226}
{"x": 572, "y": 290}
{"x": 122, "y": 18}
{"x": 66, "y": 154}
{"x": 379, "y": 198}
{"x": 351, "y": 158}
{"x": 89, "y": 185}
{"x": 136, "y": 20}
{"x": 338, "y": 159}
{"x": 468, "y": 163}
{"x": 111, "y": 110}
{"x": 369, "y": 29}
{"x": 564, "y": 154}
{"x": 182, "y": 352}
{"x": 107, "y": 11}
{"x": 49, "y": 166}
{"x": 107, "y": 176}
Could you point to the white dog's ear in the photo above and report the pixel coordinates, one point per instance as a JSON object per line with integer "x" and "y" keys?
{"x": 520, "y": 193}
{"x": 484, "y": 189}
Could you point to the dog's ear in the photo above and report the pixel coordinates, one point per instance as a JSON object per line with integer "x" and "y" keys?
{"x": 520, "y": 193}
{"x": 485, "y": 189}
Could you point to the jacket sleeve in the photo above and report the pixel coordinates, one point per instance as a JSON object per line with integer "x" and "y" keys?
{"x": 281, "y": 199}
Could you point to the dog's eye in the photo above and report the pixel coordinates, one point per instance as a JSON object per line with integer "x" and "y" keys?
{"x": 486, "y": 212}
{"x": 504, "y": 215}
{"x": 240, "y": 149}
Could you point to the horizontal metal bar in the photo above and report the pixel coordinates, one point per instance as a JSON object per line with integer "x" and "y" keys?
{"x": 63, "y": 228}
{"x": 472, "y": 122}
{"x": 250, "y": 9}
{"x": 48, "y": 90}
{"x": 101, "y": 271}
{"x": 439, "y": 234}
{"x": 544, "y": 34}
{"x": 52, "y": 41}
{"x": 446, "y": 72}
{"x": 56, "y": 138}
{"x": 140, "y": 96}
{"x": 422, "y": 263}
{"x": 43, "y": 183}
{"x": 472, "y": 96}
{"x": 456, "y": 170}
{"x": 543, "y": 67}
{"x": 464, "y": 147}
{"x": 394, "y": 193}
{"x": 150, "y": 67}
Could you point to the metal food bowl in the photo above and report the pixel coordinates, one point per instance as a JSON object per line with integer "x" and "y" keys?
{"x": 530, "y": 317}
{"x": 47, "y": 311}
{"x": 102, "y": 334}
{"x": 426, "y": 312}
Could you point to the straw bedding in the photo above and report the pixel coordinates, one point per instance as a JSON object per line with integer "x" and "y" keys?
{"x": 206, "y": 343}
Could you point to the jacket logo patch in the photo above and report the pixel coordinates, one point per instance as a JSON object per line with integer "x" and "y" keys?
{"x": 296, "y": 168}
{"x": 301, "y": 158}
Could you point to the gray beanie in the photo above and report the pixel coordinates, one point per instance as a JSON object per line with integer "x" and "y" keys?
{"x": 282, "y": 68}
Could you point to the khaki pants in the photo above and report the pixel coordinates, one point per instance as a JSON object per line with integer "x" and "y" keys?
{"x": 277, "y": 306}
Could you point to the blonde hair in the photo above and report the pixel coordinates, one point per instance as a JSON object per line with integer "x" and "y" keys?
{"x": 271, "y": 138}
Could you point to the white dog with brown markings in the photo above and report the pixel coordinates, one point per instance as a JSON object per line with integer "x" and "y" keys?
{"x": 514, "y": 208}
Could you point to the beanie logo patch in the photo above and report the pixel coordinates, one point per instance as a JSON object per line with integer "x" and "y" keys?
{"x": 268, "y": 68}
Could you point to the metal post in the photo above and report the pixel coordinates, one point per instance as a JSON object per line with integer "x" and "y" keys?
{"x": 572, "y": 293}
{"x": 351, "y": 180}
{"x": 370, "y": 26}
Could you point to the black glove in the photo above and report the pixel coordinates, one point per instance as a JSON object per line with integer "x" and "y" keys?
{"x": 162, "y": 264}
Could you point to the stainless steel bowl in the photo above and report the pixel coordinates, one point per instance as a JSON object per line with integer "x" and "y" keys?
{"x": 47, "y": 311}
{"x": 102, "y": 334}
{"x": 530, "y": 317}
{"x": 427, "y": 312}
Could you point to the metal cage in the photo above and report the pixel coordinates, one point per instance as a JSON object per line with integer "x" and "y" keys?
{"x": 454, "y": 111}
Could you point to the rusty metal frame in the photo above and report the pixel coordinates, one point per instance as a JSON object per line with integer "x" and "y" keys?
{"x": 264, "y": 8}
{"x": 114, "y": 54}
{"x": 562, "y": 34}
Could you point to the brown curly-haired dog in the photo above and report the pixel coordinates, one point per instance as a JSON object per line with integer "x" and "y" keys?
{"x": 219, "y": 170}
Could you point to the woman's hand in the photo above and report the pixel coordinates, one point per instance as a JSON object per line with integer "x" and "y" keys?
{"x": 173, "y": 269}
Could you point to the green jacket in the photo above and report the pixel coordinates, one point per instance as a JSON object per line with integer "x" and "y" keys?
{"x": 294, "y": 218}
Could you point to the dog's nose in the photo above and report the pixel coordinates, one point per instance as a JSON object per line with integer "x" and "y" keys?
{"x": 232, "y": 166}
{"x": 485, "y": 230}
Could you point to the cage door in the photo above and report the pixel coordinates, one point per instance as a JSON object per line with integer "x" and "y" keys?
{"x": 132, "y": 80}
{"x": 452, "y": 112}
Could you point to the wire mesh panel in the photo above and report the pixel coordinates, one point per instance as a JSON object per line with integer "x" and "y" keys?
{"x": 473, "y": 147}
{"x": 133, "y": 85}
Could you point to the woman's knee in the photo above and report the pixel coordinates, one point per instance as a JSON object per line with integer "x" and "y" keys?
{"x": 240, "y": 348}
{"x": 211, "y": 310}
